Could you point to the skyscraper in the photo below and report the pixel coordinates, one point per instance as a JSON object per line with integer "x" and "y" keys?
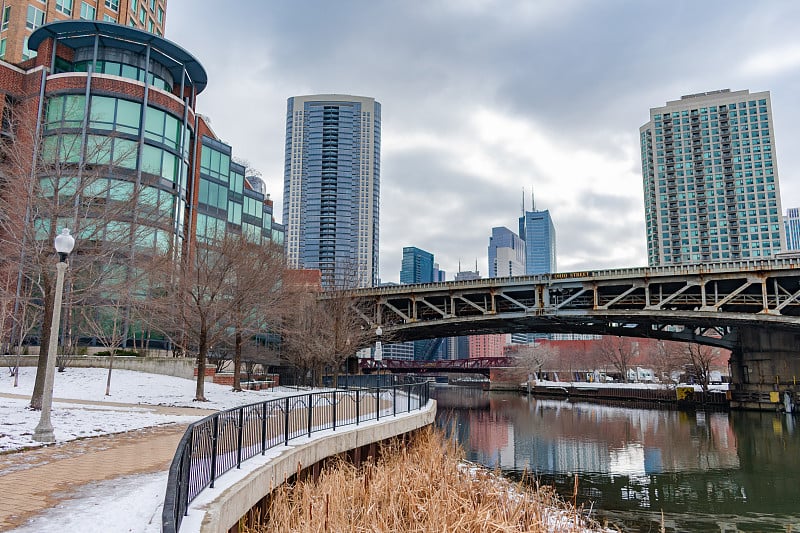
{"x": 791, "y": 224}
{"x": 331, "y": 187}
{"x": 539, "y": 235}
{"x": 21, "y": 17}
{"x": 417, "y": 266}
{"x": 710, "y": 179}
{"x": 506, "y": 253}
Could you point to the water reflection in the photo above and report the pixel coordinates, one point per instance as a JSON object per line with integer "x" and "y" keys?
{"x": 706, "y": 471}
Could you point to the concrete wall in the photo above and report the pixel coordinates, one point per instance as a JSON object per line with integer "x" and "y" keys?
{"x": 766, "y": 361}
{"x": 168, "y": 366}
{"x": 232, "y": 503}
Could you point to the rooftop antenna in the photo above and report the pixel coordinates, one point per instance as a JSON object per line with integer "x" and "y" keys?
{"x": 533, "y": 200}
{"x": 523, "y": 201}
{"x": 476, "y": 265}
{"x": 459, "y": 264}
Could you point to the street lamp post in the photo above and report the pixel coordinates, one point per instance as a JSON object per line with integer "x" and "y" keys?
{"x": 378, "y": 355}
{"x": 44, "y": 430}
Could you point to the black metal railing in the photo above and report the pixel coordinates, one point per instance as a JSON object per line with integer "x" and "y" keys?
{"x": 222, "y": 441}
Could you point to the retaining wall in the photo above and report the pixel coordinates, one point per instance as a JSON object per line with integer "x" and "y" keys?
{"x": 182, "y": 367}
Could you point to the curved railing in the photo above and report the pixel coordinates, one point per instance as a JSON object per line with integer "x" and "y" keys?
{"x": 222, "y": 441}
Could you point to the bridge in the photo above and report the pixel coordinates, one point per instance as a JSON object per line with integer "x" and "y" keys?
{"x": 749, "y": 307}
{"x": 474, "y": 365}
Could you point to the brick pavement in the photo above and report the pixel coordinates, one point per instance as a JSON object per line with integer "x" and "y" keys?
{"x": 32, "y": 481}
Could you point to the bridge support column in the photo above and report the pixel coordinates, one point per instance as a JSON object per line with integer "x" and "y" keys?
{"x": 765, "y": 370}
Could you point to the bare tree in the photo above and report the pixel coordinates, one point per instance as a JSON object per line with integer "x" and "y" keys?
{"x": 54, "y": 178}
{"x": 256, "y": 294}
{"x": 619, "y": 352}
{"x": 699, "y": 361}
{"x": 222, "y": 285}
{"x": 534, "y": 357}
{"x": 322, "y": 329}
{"x": 666, "y": 358}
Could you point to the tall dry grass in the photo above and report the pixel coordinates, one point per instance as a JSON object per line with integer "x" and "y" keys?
{"x": 422, "y": 488}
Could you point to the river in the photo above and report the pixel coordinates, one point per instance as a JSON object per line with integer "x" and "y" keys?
{"x": 706, "y": 471}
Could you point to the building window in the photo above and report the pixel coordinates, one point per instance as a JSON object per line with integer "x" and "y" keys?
{"x": 109, "y": 18}
{"x": 160, "y": 15}
{"x": 2, "y": 48}
{"x": 88, "y": 11}
{"x": 150, "y": 25}
{"x": 27, "y": 53}
{"x": 142, "y": 14}
{"x": 133, "y": 6}
{"x": 152, "y": 5}
{"x": 112, "y": 5}
{"x": 34, "y": 19}
{"x": 6, "y": 17}
{"x": 64, "y": 6}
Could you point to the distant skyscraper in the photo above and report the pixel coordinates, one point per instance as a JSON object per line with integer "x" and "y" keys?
{"x": 331, "y": 186}
{"x": 506, "y": 253}
{"x": 710, "y": 180}
{"x": 438, "y": 275}
{"x": 466, "y": 275}
{"x": 417, "y": 266}
{"x": 791, "y": 224}
{"x": 539, "y": 235}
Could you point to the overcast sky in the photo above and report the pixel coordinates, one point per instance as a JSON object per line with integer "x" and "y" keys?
{"x": 482, "y": 98}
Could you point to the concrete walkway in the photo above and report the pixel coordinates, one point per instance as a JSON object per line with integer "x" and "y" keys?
{"x": 31, "y": 481}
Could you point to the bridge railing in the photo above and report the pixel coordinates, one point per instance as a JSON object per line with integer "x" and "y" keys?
{"x": 222, "y": 441}
{"x": 701, "y": 268}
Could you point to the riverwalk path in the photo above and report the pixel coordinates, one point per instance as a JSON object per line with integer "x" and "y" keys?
{"x": 37, "y": 479}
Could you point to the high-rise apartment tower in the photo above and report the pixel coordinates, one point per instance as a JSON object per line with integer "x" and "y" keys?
{"x": 21, "y": 17}
{"x": 710, "y": 179}
{"x": 331, "y": 187}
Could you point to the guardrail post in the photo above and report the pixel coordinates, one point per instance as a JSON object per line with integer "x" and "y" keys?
{"x": 358, "y": 404}
{"x": 310, "y": 412}
{"x": 334, "y": 410}
{"x": 286, "y": 422}
{"x": 394, "y": 401}
{"x": 263, "y": 427}
{"x": 239, "y": 439}
{"x": 408, "y": 397}
{"x": 378, "y": 401}
{"x": 214, "y": 438}
{"x": 186, "y": 467}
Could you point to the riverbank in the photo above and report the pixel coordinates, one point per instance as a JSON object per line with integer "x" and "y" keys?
{"x": 426, "y": 486}
{"x": 682, "y": 395}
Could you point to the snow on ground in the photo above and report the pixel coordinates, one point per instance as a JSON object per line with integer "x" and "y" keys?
{"x": 123, "y": 505}
{"x": 620, "y": 385}
{"x": 129, "y": 504}
{"x": 72, "y": 420}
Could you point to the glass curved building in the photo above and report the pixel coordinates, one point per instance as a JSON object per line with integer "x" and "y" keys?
{"x": 117, "y": 150}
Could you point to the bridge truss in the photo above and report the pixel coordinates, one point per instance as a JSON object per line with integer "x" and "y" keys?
{"x": 704, "y": 303}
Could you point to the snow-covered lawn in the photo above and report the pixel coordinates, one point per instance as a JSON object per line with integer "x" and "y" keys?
{"x": 131, "y": 504}
{"x": 72, "y": 420}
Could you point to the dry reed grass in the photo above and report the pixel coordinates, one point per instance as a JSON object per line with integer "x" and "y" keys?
{"x": 426, "y": 487}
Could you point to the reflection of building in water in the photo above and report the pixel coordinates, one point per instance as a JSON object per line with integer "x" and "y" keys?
{"x": 493, "y": 441}
{"x": 696, "y": 468}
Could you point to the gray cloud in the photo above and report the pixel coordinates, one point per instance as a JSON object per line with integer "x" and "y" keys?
{"x": 482, "y": 98}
